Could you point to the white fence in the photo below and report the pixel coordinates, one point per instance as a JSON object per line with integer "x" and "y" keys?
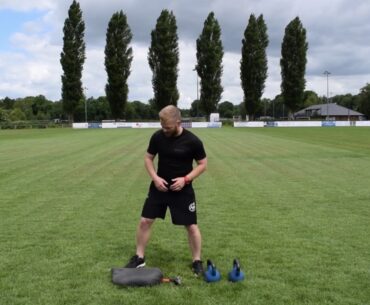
{"x": 156, "y": 125}
{"x": 252, "y": 124}
{"x": 303, "y": 124}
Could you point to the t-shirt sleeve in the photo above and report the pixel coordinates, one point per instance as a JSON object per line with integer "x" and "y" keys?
{"x": 199, "y": 152}
{"x": 153, "y": 146}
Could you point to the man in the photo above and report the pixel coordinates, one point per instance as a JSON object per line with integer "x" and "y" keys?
{"x": 171, "y": 185}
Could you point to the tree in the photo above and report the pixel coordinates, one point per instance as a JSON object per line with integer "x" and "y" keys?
{"x": 41, "y": 107}
{"x": 72, "y": 59}
{"x": 4, "y": 115}
{"x": 163, "y": 58}
{"x": 139, "y": 111}
{"x": 118, "y": 58}
{"x": 56, "y": 111}
{"x": 253, "y": 65}
{"x": 347, "y": 100}
{"x": 226, "y": 109}
{"x": 195, "y": 109}
{"x": 309, "y": 98}
{"x": 17, "y": 115}
{"x": 293, "y": 65}
{"x": 209, "y": 64}
{"x": 279, "y": 109}
{"x": 364, "y": 100}
{"x": 98, "y": 109}
{"x": 7, "y": 103}
{"x": 25, "y": 105}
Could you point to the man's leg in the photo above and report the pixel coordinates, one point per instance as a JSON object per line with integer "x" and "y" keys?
{"x": 142, "y": 238}
{"x": 143, "y": 235}
{"x": 195, "y": 241}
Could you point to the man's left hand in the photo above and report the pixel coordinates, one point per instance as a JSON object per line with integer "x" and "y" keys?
{"x": 177, "y": 184}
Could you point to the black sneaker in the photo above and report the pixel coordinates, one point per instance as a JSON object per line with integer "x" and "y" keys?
{"x": 197, "y": 268}
{"x": 136, "y": 262}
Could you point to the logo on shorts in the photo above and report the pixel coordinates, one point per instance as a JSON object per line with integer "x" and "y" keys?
{"x": 192, "y": 207}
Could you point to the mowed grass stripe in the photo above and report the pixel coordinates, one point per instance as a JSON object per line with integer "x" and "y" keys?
{"x": 57, "y": 198}
{"x": 296, "y": 185}
{"x": 73, "y": 206}
{"x": 292, "y": 204}
{"x": 70, "y": 174}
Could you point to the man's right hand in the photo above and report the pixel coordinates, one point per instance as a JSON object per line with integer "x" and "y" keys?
{"x": 161, "y": 184}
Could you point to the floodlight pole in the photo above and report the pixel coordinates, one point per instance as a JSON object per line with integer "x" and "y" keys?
{"x": 327, "y": 93}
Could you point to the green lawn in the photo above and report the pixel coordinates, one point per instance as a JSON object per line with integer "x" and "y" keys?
{"x": 293, "y": 204}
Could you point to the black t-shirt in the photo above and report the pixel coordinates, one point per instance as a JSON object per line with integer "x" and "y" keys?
{"x": 175, "y": 154}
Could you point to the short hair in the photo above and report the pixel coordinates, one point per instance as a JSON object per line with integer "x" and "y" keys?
{"x": 170, "y": 112}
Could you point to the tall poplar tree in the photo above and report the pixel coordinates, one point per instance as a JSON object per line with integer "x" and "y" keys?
{"x": 118, "y": 58}
{"x": 253, "y": 64}
{"x": 163, "y": 58}
{"x": 72, "y": 59}
{"x": 364, "y": 100}
{"x": 293, "y": 65}
{"x": 209, "y": 64}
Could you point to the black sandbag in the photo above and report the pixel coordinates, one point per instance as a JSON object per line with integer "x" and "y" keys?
{"x": 136, "y": 276}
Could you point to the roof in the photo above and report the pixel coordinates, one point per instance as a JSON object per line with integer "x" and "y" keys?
{"x": 330, "y": 109}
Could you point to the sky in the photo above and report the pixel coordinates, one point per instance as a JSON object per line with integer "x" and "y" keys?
{"x": 31, "y": 36}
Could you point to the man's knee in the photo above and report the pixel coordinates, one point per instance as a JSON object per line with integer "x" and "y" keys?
{"x": 145, "y": 223}
{"x": 193, "y": 229}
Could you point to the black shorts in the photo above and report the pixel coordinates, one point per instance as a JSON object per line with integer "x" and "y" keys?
{"x": 182, "y": 205}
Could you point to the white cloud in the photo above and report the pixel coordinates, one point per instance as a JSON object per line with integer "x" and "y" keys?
{"x": 335, "y": 33}
{"x": 187, "y": 77}
{"x": 32, "y": 68}
{"x": 231, "y": 78}
{"x": 140, "y": 78}
{"x": 273, "y": 81}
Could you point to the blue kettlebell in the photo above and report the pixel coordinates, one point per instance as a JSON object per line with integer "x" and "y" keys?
{"x": 212, "y": 274}
{"x": 236, "y": 275}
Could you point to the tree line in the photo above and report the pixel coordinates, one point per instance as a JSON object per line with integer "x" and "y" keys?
{"x": 163, "y": 60}
{"x": 40, "y": 108}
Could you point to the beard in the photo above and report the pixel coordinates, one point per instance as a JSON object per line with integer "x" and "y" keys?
{"x": 172, "y": 133}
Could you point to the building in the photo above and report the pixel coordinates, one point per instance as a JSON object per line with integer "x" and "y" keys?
{"x": 330, "y": 111}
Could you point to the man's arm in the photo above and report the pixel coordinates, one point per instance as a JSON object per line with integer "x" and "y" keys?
{"x": 159, "y": 183}
{"x": 180, "y": 182}
{"x": 198, "y": 170}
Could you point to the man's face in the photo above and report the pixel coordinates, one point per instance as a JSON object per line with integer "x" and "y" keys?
{"x": 170, "y": 127}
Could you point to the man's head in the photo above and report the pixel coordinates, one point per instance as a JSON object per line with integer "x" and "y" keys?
{"x": 170, "y": 118}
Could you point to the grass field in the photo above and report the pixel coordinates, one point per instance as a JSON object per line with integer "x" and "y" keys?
{"x": 293, "y": 204}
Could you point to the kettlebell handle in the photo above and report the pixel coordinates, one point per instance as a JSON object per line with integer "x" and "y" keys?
{"x": 237, "y": 265}
{"x": 211, "y": 267}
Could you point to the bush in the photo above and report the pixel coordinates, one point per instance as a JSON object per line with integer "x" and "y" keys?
{"x": 17, "y": 115}
{"x": 4, "y": 115}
